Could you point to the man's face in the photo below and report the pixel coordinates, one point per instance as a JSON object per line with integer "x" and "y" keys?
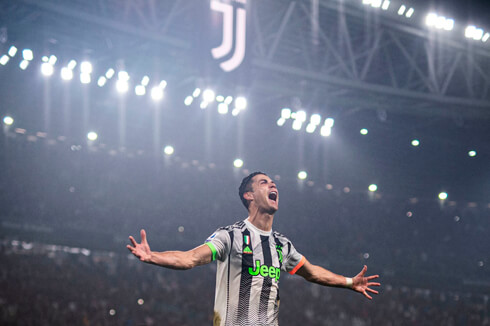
{"x": 264, "y": 193}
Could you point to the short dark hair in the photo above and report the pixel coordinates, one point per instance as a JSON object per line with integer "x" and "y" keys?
{"x": 246, "y": 186}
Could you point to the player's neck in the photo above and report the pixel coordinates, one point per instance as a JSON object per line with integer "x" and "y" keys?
{"x": 262, "y": 221}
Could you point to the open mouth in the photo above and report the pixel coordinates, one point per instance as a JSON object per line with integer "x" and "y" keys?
{"x": 273, "y": 195}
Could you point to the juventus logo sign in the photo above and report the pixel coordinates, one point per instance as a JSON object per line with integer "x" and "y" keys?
{"x": 229, "y": 24}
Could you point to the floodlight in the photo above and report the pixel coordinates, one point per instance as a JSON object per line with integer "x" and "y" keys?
{"x": 409, "y": 13}
{"x": 163, "y": 84}
{"x": 449, "y": 24}
{"x": 203, "y": 105}
{"x": 52, "y": 60}
{"x": 315, "y": 119}
{"x": 431, "y": 19}
{"x": 145, "y": 81}
{"x": 122, "y": 86}
{"x": 66, "y": 73}
{"x": 72, "y": 64}
{"x": 92, "y": 136}
{"x": 386, "y": 5}
{"x": 375, "y": 3}
{"x": 169, "y": 150}
{"x": 485, "y": 37}
{"x": 472, "y": 153}
{"x": 101, "y": 81}
{"x": 238, "y": 163}
{"x": 401, "y": 10}
{"x": 310, "y": 128}
{"x": 235, "y": 112}
{"x": 301, "y": 116}
{"x": 208, "y": 95}
{"x": 220, "y": 98}
{"x": 222, "y": 108}
{"x": 228, "y": 100}
{"x": 285, "y": 113}
{"x": 44, "y": 58}
{"x": 366, "y": 2}
{"x": 23, "y": 64}
{"x": 12, "y": 51}
{"x": 140, "y": 90}
{"x": 188, "y": 100}
{"x": 443, "y": 195}
{"x": 364, "y": 131}
{"x": 302, "y": 175}
{"x": 329, "y": 122}
{"x": 4, "y": 59}
{"x": 86, "y": 67}
{"x": 27, "y": 54}
{"x": 156, "y": 93}
{"x": 241, "y": 103}
{"x": 415, "y": 142}
{"x": 297, "y": 125}
{"x": 8, "y": 120}
{"x": 325, "y": 131}
{"x": 110, "y": 73}
{"x": 196, "y": 92}
{"x": 280, "y": 122}
{"x": 123, "y": 75}
{"x": 373, "y": 187}
{"x": 85, "y": 78}
{"x": 47, "y": 69}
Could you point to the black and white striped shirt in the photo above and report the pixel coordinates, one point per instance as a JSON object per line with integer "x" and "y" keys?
{"x": 250, "y": 262}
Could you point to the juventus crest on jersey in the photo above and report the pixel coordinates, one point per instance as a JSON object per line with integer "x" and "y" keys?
{"x": 250, "y": 262}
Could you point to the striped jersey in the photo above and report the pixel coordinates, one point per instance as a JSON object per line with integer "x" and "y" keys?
{"x": 250, "y": 263}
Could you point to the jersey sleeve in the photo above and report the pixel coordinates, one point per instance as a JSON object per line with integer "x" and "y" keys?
{"x": 219, "y": 243}
{"x": 293, "y": 260}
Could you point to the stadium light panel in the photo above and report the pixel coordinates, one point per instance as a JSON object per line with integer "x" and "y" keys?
{"x": 12, "y": 51}
{"x": 66, "y": 73}
{"x": 196, "y": 92}
{"x": 241, "y": 103}
{"x": 364, "y": 131}
{"x": 92, "y": 136}
{"x": 472, "y": 153}
{"x": 415, "y": 142}
{"x": 235, "y": 112}
{"x": 52, "y": 60}
{"x": 315, "y": 119}
{"x": 373, "y": 187}
{"x": 238, "y": 163}
{"x": 386, "y": 5}
{"x": 366, "y": 2}
{"x": 86, "y": 67}
{"x": 401, "y": 10}
{"x": 101, "y": 81}
{"x": 4, "y": 59}
{"x": 23, "y": 64}
{"x": 297, "y": 125}
{"x": 188, "y": 100}
{"x": 220, "y": 98}
{"x": 301, "y": 116}
{"x": 285, "y": 113}
{"x": 145, "y": 80}
{"x": 27, "y": 54}
{"x": 222, "y": 108}
{"x": 409, "y": 13}
{"x": 47, "y": 69}
{"x": 376, "y": 3}
{"x": 123, "y": 75}
{"x": 443, "y": 195}
{"x": 449, "y": 24}
{"x": 140, "y": 90}
{"x": 110, "y": 73}
{"x": 168, "y": 150}
{"x": 72, "y": 64}
{"x": 325, "y": 131}
{"x": 281, "y": 121}
{"x": 485, "y": 37}
{"x": 228, "y": 100}
{"x": 122, "y": 86}
{"x": 310, "y": 128}
{"x": 163, "y": 84}
{"x": 203, "y": 105}
{"x": 208, "y": 95}
{"x": 302, "y": 175}
{"x": 85, "y": 78}
{"x": 329, "y": 122}
{"x": 156, "y": 93}
{"x": 8, "y": 120}
{"x": 44, "y": 58}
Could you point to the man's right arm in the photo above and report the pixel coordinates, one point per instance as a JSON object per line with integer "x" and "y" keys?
{"x": 170, "y": 259}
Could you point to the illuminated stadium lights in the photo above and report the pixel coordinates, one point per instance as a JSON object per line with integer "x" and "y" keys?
{"x": 52, "y": 60}
{"x": 443, "y": 195}
{"x": 145, "y": 80}
{"x": 47, "y": 69}
{"x": 141, "y": 301}
{"x": 156, "y": 93}
{"x": 241, "y": 103}
{"x": 8, "y": 120}
{"x": 439, "y": 22}
{"x": 12, "y": 51}
{"x": 222, "y": 108}
{"x": 281, "y": 121}
{"x": 86, "y": 67}
{"x": 373, "y": 187}
{"x": 122, "y": 86}
{"x": 101, "y": 81}
{"x": 472, "y": 153}
{"x": 92, "y": 136}
{"x": 168, "y": 150}
{"x": 300, "y": 116}
{"x": 220, "y": 98}
{"x": 27, "y": 54}
{"x": 297, "y": 124}
{"x": 23, "y": 64}
{"x": 386, "y": 5}
{"x": 286, "y": 113}
{"x": 310, "y": 128}
{"x": 123, "y": 75}
{"x": 140, "y": 90}
{"x": 363, "y": 131}
{"x": 4, "y": 59}
{"x": 325, "y": 131}
{"x": 475, "y": 33}
{"x": 188, "y": 100}
{"x": 302, "y": 175}
{"x": 238, "y": 163}
{"x": 315, "y": 119}
{"x": 203, "y": 105}
{"x": 377, "y": 3}
{"x": 415, "y": 142}
{"x": 110, "y": 73}
{"x": 208, "y": 95}
{"x": 85, "y": 78}
{"x": 196, "y": 92}
{"x": 163, "y": 84}
{"x": 72, "y": 64}
{"x": 228, "y": 100}
{"x": 66, "y": 73}
{"x": 235, "y": 112}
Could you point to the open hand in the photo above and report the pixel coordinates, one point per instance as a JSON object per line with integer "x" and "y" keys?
{"x": 140, "y": 250}
{"x": 362, "y": 284}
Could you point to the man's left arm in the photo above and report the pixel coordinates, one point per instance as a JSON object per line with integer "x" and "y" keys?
{"x": 322, "y": 276}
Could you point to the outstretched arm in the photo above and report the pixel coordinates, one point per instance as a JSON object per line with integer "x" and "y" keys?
{"x": 320, "y": 275}
{"x": 170, "y": 259}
